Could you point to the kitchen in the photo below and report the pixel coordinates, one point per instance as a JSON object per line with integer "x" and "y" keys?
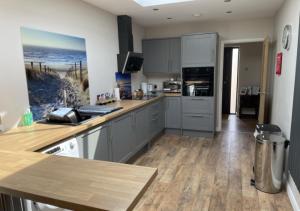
{"x": 163, "y": 150}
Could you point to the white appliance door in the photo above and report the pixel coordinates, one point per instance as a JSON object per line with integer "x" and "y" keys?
{"x": 45, "y": 207}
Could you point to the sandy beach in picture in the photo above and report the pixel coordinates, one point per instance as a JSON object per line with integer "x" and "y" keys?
{"x": 56, "y": 70}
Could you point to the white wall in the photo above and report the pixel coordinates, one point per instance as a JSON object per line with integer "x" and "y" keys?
{"x": 250, "y": 64}
{"x": 229, "y": 31}
{"x": 284, "y": 85}
{"x": 71, "y": 17}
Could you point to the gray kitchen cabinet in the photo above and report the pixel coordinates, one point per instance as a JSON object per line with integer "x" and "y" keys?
{"x": 162, "y": 56}
{"x": 141, "y": 128}
{"x": 156, "y": 56}
{"x": 175, "y": 56}
{"x": 157, "y": 118}
{"x": 94, "y": 144}
{"x": 122, "y": 138}
{"x": 199, "y": 50}
{"x": 173, "y": 112}
{"x": 197, "y": 122}
{"x": 198, "y": 105}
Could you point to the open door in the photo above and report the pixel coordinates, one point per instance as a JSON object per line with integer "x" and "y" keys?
{"x": 263, "y": 81}
{"x": 227, "y": 80}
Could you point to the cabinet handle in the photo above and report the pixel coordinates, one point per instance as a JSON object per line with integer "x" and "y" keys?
{"x": 196, "y": 116}
{"x": 199, "y": 99}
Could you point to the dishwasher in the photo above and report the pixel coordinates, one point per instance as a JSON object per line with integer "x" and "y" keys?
{"x": 68, "y": 148}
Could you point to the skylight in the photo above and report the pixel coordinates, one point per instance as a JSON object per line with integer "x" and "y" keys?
{"x": 148, "y": 3}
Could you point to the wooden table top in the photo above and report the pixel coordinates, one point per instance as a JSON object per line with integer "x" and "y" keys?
{"x": 71, "y": 183}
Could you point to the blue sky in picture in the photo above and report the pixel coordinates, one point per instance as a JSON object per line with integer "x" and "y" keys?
{"x": 52, "y": 40}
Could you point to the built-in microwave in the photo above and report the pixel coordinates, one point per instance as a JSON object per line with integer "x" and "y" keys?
{"x": 198, "y": 81}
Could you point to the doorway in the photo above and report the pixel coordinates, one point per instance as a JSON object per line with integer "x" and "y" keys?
{"x": 230, "y": 80}
{"x": 242, "y": 67}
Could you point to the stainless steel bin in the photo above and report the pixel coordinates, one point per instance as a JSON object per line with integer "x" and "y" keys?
{"x": 269, "y": 162}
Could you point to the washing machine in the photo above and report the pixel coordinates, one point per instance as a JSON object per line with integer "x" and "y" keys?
{"x": 68, "y": 148}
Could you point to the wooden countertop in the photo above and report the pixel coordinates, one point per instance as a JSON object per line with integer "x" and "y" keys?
{"x": 71, "y": 183}
{"x": 38, "y": 136}
{"x": 172, "y": 94}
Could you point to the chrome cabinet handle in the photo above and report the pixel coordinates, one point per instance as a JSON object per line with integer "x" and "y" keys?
{"x": 196, "y": 116}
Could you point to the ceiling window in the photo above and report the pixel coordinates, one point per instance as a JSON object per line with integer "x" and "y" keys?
{"x": 148, "y": 3}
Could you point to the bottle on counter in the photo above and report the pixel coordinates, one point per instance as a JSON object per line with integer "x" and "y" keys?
{"x": 27, "y": 118}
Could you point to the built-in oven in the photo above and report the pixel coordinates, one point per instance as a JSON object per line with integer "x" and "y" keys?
{"x": 198, "y": 81}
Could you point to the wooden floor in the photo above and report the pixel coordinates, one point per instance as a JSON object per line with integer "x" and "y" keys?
{"x": 233, "y": 123}
{"x": 205, "y": 174}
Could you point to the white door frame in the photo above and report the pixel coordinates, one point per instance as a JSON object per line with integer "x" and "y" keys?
{"x": 220, "y": 78}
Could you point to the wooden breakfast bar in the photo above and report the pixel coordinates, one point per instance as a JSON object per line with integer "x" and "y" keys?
{"x": 70, "y": 183}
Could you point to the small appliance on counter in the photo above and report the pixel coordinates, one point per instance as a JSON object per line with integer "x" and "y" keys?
{"x": 172, "y": 86}
{"x": 148, "y": 88}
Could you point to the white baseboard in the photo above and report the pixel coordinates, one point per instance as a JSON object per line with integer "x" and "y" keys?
{"x": 293, "y": 193}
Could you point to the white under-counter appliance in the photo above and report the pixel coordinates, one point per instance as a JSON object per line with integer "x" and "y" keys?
{"x": 68, "y": 148}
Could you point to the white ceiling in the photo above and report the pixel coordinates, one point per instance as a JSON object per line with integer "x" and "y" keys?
{"x": 210, "y": 10}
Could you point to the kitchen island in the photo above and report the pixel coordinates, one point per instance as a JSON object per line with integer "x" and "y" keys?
{"x": 72, "y": 183}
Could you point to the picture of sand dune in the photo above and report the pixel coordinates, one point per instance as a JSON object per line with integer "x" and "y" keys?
{"x": 56, "y": 70}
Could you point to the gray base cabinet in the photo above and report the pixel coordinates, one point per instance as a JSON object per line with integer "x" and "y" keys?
{"x": 198, "y": 114}
{"x": 142, "y": 130}
{"x": 157, "y": 118}
{"x": 94, "y": 144}
{"x": 122, "y": 138}
{"x": 173, "y": 112}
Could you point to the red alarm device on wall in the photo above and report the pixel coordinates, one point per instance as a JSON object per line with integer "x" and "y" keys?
{"x": 278, "y": 63}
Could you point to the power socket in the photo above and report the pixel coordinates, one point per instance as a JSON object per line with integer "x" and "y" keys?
{"x": 2, "y": 115}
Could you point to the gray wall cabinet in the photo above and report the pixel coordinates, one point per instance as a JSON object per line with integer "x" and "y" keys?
{"x": 175, "y": 56}
{"x": 173, "y": 112}
{"x": 199, "y": 50}
{"x": 122, "y": 138}
{"x": 94, "y": 144}
{"x": 162, "y": 56}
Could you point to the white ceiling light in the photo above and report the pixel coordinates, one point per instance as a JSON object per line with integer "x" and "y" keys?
{"x": 148, "y": 3}
{"x": 197, "y": 15}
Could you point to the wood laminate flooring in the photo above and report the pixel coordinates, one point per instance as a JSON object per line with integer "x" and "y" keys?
{"x": 205, "y": 174}
{"x": 232, "y": 123}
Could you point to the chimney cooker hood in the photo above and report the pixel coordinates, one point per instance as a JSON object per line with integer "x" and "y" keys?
{"x": 128, "y": 61}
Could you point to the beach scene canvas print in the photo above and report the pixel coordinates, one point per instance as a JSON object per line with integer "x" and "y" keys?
{"x": 56, "y": 70}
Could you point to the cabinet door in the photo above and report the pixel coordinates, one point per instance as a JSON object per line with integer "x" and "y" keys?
{"x": 199, "y": 50}
{"x": 175, "y": 55}
{"x": 141, "y": 127}
{"x": 94, "y": 144}
{"x": 198, "y": 122}
{"x": 122, "y": 135}
{"x": 173, "y": 112}
{"x": 198, "y": 105}
{"x": 156, "y": 56}
{"x": 157, "y": 118}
